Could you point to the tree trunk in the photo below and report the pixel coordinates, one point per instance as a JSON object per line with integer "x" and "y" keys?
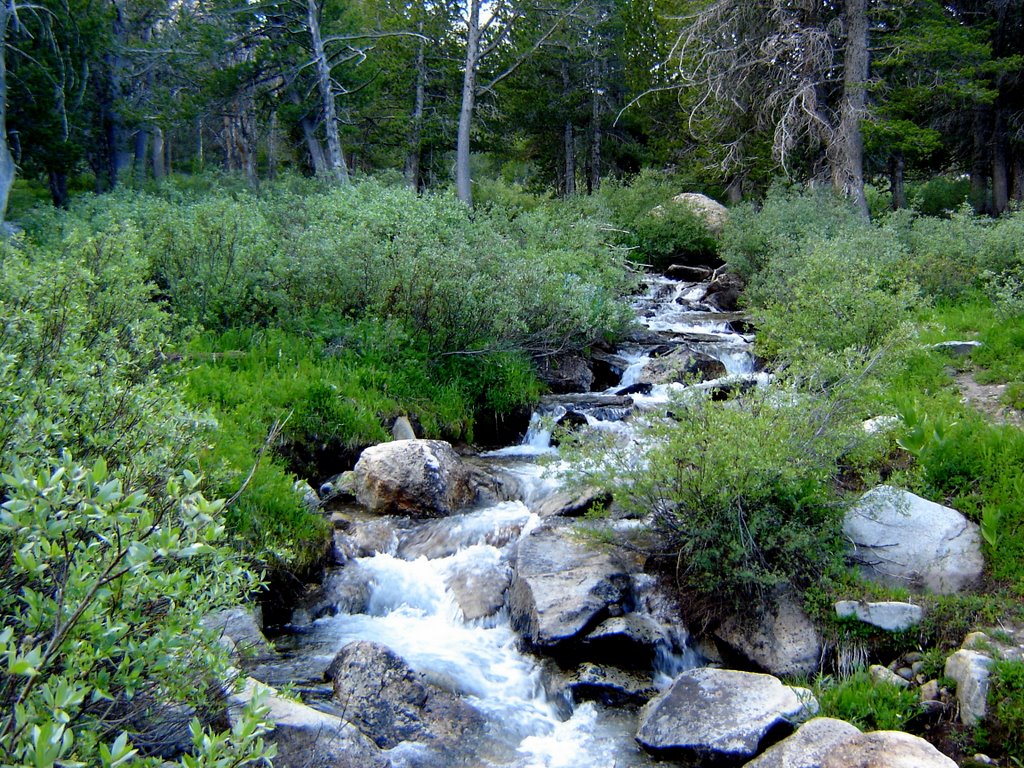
{"x": 412, "y": 161}
{"x": 6, "y": 160}
{"x": 159, "y": 166}
{"x": 734, "y": 190}
{"x": 594, "y": 182}
{"x": 1018, "y": 176}
{"x": 1000, "y": 164}
{"x": 58, "y": 184}
{"x": 141, "y": 151}
{"x": 846, "y": 152}
{"x": 897, "y": 164}
{"x": 569, "y": 141}
{"x": 980, "y": 159}
{"x": 463, "y": 182}
{"x": 316, "y": 152}
{"x": 335, "y": 158}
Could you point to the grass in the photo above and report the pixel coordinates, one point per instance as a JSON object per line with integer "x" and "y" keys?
{"x": 870, "y": 706}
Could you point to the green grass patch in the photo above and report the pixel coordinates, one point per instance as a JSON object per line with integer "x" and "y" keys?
{"x": 869, "y": 705}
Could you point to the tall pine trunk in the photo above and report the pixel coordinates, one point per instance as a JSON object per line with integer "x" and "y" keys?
{"x": 846, "y": 152}
{"x": 412, "y": 161}
{"x": 463, "y": 181}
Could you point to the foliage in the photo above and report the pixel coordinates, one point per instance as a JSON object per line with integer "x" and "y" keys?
{"x": 110, "y": 553}
{"x": 740, "y": 493}
{"x": 871, "y": 706}
{"x": 1006, "y": 706}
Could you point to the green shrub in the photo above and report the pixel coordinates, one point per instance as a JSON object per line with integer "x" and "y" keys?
{"x": 1006, "y": 707}
{"x": 740, "y": 493}
{"x": 939, "y": 196}
{"x": 869, "y": 705}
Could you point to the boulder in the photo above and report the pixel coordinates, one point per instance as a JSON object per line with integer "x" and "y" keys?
{"x": 567, "y": 373}
{"x": 957, "y": 348}
{"x": 689, "y": 274}
{"x": 565, "y": 504}
{"x": 611, "y": 686}
{"x": 243, "y": 627}
{"x": 886, "y": 749}
{"x": 711, "y": 212}
{"x": 720, "y": 715}
{"x": 808, "y": 746}
{"x": 782, "y": 640}
{"x": 402, "y": 429}
{"x": 682, "y": 364}
{"x": 629, "y": 641}
{"x": 563, "y": 587}
{"x": 892, "y": 616}
{"x": 390, "y": 703}
{"x": 971, "y": 670}
{"x": 885, "y": 676}
{"x": 479, "y": 586}
{"x": 903, "y": 540}
{"x": 724, "y": 292}
{"x": 420, "y": 478}
{"x": 306, "y": 738}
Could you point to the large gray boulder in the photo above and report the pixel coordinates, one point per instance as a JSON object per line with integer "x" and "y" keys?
{"x": 720, "y": 715}
{"x": 886, "y": 749}
{"x": 305, "y": 737}
{"x": 904, "y": 540}
{"x": 611, "y": 686}
{"x": 390, "y": 703}
{"x": 563, "y": 587}
{"x": 711, "y": 212}
{"x": 782, "y": 640}
{"x": 808, "y": 746}
{"x": 421, "y": 478}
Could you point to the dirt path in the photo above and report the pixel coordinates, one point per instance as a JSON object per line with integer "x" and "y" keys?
{"x": 986, "y": 398}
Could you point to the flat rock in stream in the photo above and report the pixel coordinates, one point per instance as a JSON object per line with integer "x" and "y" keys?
{"x": 390, "y": 703}
{"x": 563, "y": 587}
{"x": 306, "y": 738}
{"x": 588, "y": 400}
{"x": 611, "y": 686}
{"x": 721, "y": 715}
{"x": 683, "y": 364}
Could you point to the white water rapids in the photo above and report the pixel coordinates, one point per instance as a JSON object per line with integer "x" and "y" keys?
{"x": 411, "y": 606}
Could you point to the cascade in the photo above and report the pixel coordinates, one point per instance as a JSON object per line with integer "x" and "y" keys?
{"x": 408, "y": 595}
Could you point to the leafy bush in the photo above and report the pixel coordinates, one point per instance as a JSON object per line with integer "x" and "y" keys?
{"x": 939, "y": 196}
{"x": 1006, "y": 703}
{"x": 869, "y": 705}
{"x": 109, "y": 554}
{"x": 739, "y": 492}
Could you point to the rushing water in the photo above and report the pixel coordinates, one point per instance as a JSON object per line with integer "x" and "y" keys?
{"x": 409, "y": 593}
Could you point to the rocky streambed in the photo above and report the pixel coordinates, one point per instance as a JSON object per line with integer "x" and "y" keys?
{"x": 465, "y": 622}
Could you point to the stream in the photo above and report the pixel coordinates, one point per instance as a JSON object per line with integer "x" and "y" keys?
{"x": 402, "y": 589}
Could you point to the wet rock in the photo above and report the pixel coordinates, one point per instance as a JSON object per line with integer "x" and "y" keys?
{"x": 445, "y": 537}
{"x": 243, "y": 626}
{"x": 886, "y": 749}
{"x": 724, "y": 292}
{"x": 364, "y": 539}
{"x": 306, "y": 738}
{"x": 339, "y": 488}
{"x": 903, "y": 540}
{"x": 588, "y": 401}
{"x": 479, "y": 584}
{"x": 808, "y": 746}
{"x": 689, "y": 274}
{"x": 628, "y": 641}
{"x": 420, "y": 478}
{"x": 892, "y": 616}
{"x": 565, "y": 504}
{"x": 388, "y": 702}
{"x": 782, "y": 640}
{"x": 566, "y": 374}
{"x": 563, "y": 587}
{"x": 683, "y": 364}
{"x": 719, "y": 714}
{"x": 346, "y": 590}
{"x": 971, "y": 671}
{"x": 611, "y": 686}
{"x": 640, "y": 388}
{"x": 608, "y": 368}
